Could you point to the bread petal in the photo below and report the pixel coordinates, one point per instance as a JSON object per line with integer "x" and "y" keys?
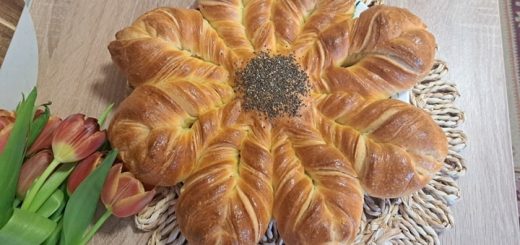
{"x": 395, "y": 148}
{"x": 390, "y": 51}
{"x": 160, "y": 128}
{"x": 169, "y": 42}
{"x": 228, "y": 199}
{"x": 318, "y": 198}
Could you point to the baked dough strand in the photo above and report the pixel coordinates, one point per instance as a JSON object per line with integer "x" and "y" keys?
{"x": 394, "y": 147}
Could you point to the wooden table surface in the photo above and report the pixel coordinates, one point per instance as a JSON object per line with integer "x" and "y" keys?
{"x": 76, "y": 73}
{"x": 10, "y": 11}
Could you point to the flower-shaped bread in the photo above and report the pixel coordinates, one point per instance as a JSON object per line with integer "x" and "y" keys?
{"x": 185, "y": 121}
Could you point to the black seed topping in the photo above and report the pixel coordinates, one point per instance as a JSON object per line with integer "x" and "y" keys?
{"x": 272, "y": 85}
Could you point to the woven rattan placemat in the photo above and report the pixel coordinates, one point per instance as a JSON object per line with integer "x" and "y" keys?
{"x": 415, "y": 219}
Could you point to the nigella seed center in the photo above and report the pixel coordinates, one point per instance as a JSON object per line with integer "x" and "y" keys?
{"x": 274, "y": 86}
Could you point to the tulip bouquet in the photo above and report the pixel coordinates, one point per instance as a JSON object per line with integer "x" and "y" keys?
{"x": 53, "y": 173}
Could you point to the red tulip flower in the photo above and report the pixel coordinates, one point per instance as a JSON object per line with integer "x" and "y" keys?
{"x": 76, "y": 138}
{"x": 44, "y": 140}
{"x": 6, "y": 124}
{"x": 123, "y": 194}
{"x": 32, "y": 169}
{"x": 82, "y": 170}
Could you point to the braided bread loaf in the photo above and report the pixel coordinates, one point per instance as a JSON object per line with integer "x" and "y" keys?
{"x": 184, "y": 122}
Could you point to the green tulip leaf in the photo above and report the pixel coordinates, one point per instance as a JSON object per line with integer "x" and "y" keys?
{"x": 11, "y": 158}
{"x": 26, "y": 228}
{"x": 52, "y": 205}
{"x": 82, "y": 204}
{"x": 104, "y": 115}
{"x": 16, "y": 202}
{"x": 54, "y": 238}
{"x": 50, "y": 186}
{"x": 56, "y": 216}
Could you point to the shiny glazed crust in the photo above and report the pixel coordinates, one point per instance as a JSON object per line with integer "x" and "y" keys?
{"x": 184, "y": 122}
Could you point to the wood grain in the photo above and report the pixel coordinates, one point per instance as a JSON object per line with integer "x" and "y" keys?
{"x": 76, "y": 73}
{"x": 10, "y": 11}
{"x": 512, "y": 65}
{"x": 469, "y": 38}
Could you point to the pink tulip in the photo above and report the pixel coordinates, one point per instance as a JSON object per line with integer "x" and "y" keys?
{"x": 44, "y": 140}
{"x": 82, "y": 170}
{"x": 6, "y": 124}
{"x": 32, "y": 169}
{"x": 76, "y": 138}
{"x": 123, "y": 194}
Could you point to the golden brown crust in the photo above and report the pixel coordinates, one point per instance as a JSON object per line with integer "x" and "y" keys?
{"x": 323, "y": 38}
{"x": 183, "y": 122}
{"x": 229, "y": 199}
{"x": 227, "y": 18}
{"x": 318, "y": 196}
{"x": 259, "y": 26}
{"x": 159, "y": 128}
{"x": 167, "y": 43}
{"x": 390, "y": 49}
{"x": 395, "y": 148}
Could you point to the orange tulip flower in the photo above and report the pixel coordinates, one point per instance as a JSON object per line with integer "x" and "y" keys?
{"x": 6, "y": 124}
{"x": 123, "y": 194}
{"x": 76, "y": 138}
{"x": 44, "y": 140}
{"x": 82, "y": 170}
{"x": 32, "y": 169}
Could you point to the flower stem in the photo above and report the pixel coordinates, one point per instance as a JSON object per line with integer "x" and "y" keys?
{"x": 37, "y": 185}
{"x": 96, "y": 227}
{"x": 104, "y": 115}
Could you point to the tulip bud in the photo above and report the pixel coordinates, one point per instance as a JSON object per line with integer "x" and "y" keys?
{"x": 82, "y": 170}
{"x": 4, "y": 113}
{"x": 32, "y": 169}
{"x": 123, "y": 194}
{"x": 76, "y": 138}
{"x": 6, "y": 124}
{"x": 44, "y": 140}
{"x": 38, "y": 113}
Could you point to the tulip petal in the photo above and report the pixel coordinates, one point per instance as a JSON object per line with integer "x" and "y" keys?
{"x": 4, "y": 135}
{"x": 123, "y": 194}
{"x": 63, "y": 152}
{"x": 132, "y": 205}
{"x": 38, "y": 113}
{"x": 76, "y": 138}
{"x": 6, "y": 121}
{"x": 6, "y": 124}
{"x": 128, "y": 186}
{"x": 87, "y": 146}
{"x": 44, "y": 140}
{"x": 4, "y": 113}
{"x": 67, "y": 129}
{"x": 82, "y": 170}
{"x": 91, "y": 125}
{"x": 110, "y": 186}
{"x": 31, "y": 170}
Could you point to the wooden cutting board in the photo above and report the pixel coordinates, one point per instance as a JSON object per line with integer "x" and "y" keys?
{"x": 10, "y": 11}
{"x": 76, "y": 73}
